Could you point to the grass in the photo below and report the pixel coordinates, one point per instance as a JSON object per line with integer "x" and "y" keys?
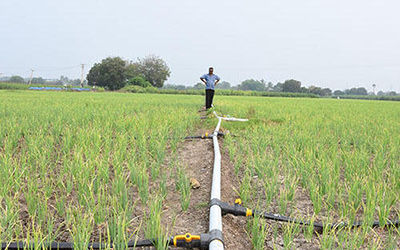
{"x": 225, "y": 92}
{"x": 341, "y": 156}
{"x": 85, "y": 167}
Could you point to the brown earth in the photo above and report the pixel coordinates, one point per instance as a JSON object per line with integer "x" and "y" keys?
{"x": 197, "y": 156}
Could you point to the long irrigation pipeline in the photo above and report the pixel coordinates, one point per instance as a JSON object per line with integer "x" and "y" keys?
{"x": 215, "y": 226}
{"x": 212, "y": 240}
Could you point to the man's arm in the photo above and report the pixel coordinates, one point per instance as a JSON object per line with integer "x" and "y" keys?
{"x": 217, "y": 81}
{"x": 203, "y": 80}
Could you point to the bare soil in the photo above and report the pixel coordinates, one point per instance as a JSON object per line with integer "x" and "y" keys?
{"x": 198, "y": 157}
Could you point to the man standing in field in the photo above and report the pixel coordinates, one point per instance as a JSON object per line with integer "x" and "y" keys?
{"x": 210, "y": 80}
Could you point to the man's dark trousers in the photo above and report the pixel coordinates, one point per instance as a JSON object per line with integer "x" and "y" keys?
{"x": 209, "y": 97}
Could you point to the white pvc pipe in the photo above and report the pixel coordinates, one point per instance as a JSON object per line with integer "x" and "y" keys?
{"x": 234, "y": 119}
{"x": 215, "y": 210}
{"x": 230, "y": 118}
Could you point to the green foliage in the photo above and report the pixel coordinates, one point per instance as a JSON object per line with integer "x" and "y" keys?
{"x": 102, "y": 172}
{"x": 137, "y": 89}
{"x": 356, "y": 91}
{"x": 110, "y": 73}
{"x": 370, "y": 97}
{"x": 252, "y": 84}
{"x": 132, "y": 70}
{"x": 291, "y": 86}
{"x": 259, "y": 232}
{"x": 338, "y": 93}
{"x": 38, "y": 80}
{"x": 222, "y": 85}
{"x": 153, "y": 69}
{"x": 114, "y": 73}
{"x": 5, "y": 85}
{"x": 320, "y": 91}
{"x": 322, "y": 160}
{"x": 199, "y": 85}
{"x": 183, "y": 187}
{"x": 139, "y": 81}
{"x": 82, "y": 171}
{"x": 16, "y": 79}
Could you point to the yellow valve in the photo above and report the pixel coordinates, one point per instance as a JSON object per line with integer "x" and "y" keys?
{"x": 187, "y": 237}
{"x": 249, "y": 212}
{"x": 238, "y": 201}
{"x": 206, "y": 134}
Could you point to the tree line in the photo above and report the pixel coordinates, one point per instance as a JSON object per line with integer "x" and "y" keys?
{"x": 288, "y": 86}
{"x": 114, "y": 73}
{"x": 63, "y": 80}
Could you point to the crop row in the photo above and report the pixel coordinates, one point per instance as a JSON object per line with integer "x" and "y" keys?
{"x": 319, "y": 160}
{"x": 86, "y": 167}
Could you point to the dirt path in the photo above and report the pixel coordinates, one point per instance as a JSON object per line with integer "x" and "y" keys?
{"x": 198, "y": 156}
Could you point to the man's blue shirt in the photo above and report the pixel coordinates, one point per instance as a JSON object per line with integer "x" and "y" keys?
{"x": 210, "y": 80}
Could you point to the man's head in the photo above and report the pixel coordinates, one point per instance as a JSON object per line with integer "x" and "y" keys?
{"x": 210, "y": 70}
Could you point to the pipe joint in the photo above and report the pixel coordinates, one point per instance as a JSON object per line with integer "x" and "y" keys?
{"x": 205, "y": 136}
{"x": 236, "y": 209}
{"x": 201, "y": 241}
{"x": 214, "y": 234}
{"x": 187, "y": 240}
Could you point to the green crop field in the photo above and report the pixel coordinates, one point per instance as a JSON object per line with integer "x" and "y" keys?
{"x": 83, "y": 167}
{"x": 75, "y": 167}
{"x": 325, "y": 160}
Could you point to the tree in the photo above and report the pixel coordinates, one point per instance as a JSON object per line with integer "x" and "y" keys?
{"x": 139, "y": 81}
{"x": 269, "y": 87}
{"x": 304, "y": 90}
{"x": 291, "y": 86}
{"x": 65, "y": 80}
{"x": 223, "y": 85}
{"x": 110, "y": 73}
{"x": 17, "y": 79}
{"x": 338, "y": 93}
{"x": 326, "y": 92}
{"x": 356, "y": 91}
{"x": 252, "y": 84}
{"x": 153, "y": 69}
{"x": 132, "y": 70}
{"x": 180, "y": 87}
{"x": 199, "y": 85}
{"x": 38, "y": 80}
{"x": 373, "y": 88}
{"x": 278, "y": 87}
{"x": 315, "y": 90}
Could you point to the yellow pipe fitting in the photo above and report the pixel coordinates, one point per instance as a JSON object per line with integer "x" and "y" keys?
{"x": 249, "y": 212}
{"x": 238, "y": 201}
{"x": 187, "y": 237}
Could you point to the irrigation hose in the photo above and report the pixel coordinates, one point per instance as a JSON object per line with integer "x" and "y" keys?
{"x": 238, "y": 210}
{"x": 321, "y": 226}
{"x": 205, "y": 136}
{"x": 184, "y": 240}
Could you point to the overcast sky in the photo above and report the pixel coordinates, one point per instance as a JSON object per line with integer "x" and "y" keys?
{"x": 329, "y": 43}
